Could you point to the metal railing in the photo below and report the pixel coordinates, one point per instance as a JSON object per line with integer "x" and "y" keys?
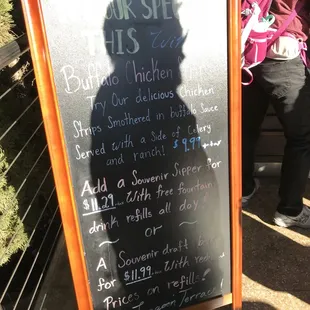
{"x": 28, "y": 171}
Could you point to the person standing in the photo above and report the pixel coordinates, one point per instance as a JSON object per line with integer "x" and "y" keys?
{"x": 282, "y": 80}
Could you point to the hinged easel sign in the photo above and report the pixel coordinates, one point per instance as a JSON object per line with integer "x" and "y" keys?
{"x": 141, "y": 105}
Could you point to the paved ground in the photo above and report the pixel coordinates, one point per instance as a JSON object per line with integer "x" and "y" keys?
{"x": 276, "y": 263}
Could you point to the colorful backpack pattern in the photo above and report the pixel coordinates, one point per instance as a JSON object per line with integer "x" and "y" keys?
{"x": 257, "y": 36}
{"x": 255, "y": 33}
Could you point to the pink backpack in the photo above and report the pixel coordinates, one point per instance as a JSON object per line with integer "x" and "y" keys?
{"x": 257, "y": 36}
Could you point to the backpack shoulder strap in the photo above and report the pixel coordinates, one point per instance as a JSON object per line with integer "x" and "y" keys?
{"x": 283, "y": 27}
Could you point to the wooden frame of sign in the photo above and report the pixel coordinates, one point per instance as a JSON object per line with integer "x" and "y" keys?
{"x": 47, "y": 91}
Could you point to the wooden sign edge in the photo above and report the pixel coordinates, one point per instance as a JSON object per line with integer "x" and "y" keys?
{"x": 60, "y": 164}
{"x": 56, "y": 144}
{"x": 235, "y": 125}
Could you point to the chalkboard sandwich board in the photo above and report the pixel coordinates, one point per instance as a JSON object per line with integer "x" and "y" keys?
{"x": 141, "y": 105}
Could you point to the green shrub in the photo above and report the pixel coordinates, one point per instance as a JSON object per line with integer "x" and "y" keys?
{"x": 12, "y": 232}
{"x": 10, "y": 223}
{"x": 6, "y": 22}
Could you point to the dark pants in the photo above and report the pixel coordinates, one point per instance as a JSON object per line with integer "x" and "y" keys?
{"x": 286, "y": 85}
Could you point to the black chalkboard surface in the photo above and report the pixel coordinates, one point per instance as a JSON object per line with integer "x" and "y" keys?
{"x": 143, "y": 100}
